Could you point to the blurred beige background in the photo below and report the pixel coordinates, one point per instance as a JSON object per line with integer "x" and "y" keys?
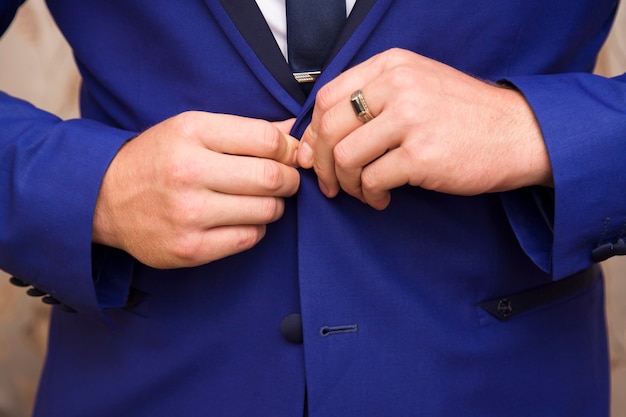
{"x": 36, "y": 64}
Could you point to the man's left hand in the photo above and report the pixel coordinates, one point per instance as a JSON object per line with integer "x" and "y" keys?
{"x": 433, "y": 127}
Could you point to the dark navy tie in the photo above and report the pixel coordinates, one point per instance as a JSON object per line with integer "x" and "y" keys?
{"x": 313, "y": 26}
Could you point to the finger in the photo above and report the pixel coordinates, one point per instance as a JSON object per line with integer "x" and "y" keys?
{"x": 386, "y": 173}
{"x": 206, "y": 246}
{"x": 366, "y": 163}
{"x": 330, "y": 125}
{"x": 241, "y": 136}
{"x": 221, "y": 242}
{"x": 337, "y": 164}
{"x": 333, "y": 115}
{"x": 363, "y": 146}
{"x": 243, "y": 175}
{"x": 228, "y": 210}
{"x": 331, "y": 122}
{"x": 353, "y": 154}
{"x": 333, "y": 119}
{"x": 316, "y": 151}
{"x": 285, "y": 127}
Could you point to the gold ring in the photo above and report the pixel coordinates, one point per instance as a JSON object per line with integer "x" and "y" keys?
{"x": 360, "y": 107}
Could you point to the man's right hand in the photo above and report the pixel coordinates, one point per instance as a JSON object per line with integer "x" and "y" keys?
{"x": 196, "y": 188}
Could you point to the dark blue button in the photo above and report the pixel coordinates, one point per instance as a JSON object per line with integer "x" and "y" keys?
{"x": 18, "y": 282}
{"x": 602, "y": 252}
{"x": 50, "y": 300}
{"x": 35, "y": 292}
{"x": 505, "y": 308}
{"x": 291, "y": 328}
{"x": 620, "y": 247}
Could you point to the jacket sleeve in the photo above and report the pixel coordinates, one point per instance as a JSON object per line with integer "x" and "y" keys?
{"x": 583, "y": 121}
{"x": 50, "y": 177}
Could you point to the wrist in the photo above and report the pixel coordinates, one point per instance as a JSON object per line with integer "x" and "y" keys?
{"x": 529, "y": 157}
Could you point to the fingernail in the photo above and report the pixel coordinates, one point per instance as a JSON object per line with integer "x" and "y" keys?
{"x": 305, "y": 155}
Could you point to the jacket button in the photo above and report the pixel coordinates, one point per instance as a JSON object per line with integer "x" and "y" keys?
{"x": 603, "y": 252}
{"x": 18, "y": 282}
{"x": 50, "y": 300}
{"x": 505, "y": 308}
{"x": 291, "y": 328}
{"x": 35, "y": 292}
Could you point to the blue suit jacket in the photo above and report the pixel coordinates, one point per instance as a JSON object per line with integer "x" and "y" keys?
{"x": 389, "y": 301}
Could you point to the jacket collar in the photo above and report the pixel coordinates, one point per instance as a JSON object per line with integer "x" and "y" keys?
{"x": 244, "y": 24}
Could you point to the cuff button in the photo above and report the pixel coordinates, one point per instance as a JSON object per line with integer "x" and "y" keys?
{"x": 18, "y": 282}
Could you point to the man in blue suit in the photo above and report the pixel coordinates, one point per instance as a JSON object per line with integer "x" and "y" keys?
{"x": 439, "y": 258}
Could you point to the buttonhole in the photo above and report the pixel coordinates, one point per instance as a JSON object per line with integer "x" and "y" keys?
{"x": 330, "y": 330}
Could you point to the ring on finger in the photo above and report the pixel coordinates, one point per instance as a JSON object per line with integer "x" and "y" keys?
{"x": 361, "y": 109}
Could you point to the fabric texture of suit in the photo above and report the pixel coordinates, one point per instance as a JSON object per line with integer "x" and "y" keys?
{"x": 388, "y": 300}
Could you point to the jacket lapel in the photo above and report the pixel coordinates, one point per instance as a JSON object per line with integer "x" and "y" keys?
{"x": 244, "y": 24}
{"x": 253, "y": 28}
{"x": 249, "y": 55}
{"x": 359, "y": 12}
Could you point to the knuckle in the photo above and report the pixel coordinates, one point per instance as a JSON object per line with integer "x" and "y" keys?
{"x": 182, "y": 172}
{"x": 185, "y": 122}
{"x": 271, "y": 209}
{"x": 342, "y": 156}
{"x": 369, "y": 179}
{"x": 272, "y": 139}
{"x": 395, "y": 54}
{"x": 294, "y": 183}
{"x": 184, "y": 117}
{"x": 247, "y": 237}
{"x": 325, "y": 98}
{"x": 326, "y": 126}
{"x": 418, "y": 153}
{"x": 291, "y": 183}
{"x": 398, "y": 76}
{"x": 321, "y": 169}
{"x": 182, "y": 217}
{"x": 184, "y": 249}
{"x": 272, "y": 176}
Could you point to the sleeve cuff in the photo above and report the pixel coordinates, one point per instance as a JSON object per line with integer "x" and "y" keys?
{"x": 583, "y": 120}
